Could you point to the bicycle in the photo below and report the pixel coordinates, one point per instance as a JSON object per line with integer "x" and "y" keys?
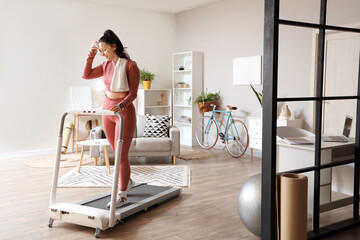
{"x": 235, "y": 135}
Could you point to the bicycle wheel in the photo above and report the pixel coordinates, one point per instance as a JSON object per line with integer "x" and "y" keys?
{"x": 237, "y": 138}
{"x": 206, "y": 132}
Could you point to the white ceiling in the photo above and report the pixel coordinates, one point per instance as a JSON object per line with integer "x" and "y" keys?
{"x": 169, "y": 6}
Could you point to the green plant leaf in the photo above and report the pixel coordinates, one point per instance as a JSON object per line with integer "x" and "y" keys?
{"x": 258, "y": 95}
{"x": 146, "y": 75}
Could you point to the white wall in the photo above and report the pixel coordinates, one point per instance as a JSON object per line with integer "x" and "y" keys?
{"x": 234, "y": 28}
{"x": 44, "y": 45}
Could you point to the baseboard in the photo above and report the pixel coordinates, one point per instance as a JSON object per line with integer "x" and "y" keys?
{"x": 28, "y": 153}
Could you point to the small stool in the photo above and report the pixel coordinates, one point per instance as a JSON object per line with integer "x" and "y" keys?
{"x": 96, "y": 142}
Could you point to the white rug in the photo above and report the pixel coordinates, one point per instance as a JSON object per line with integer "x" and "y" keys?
{"x": 98, "y": 176}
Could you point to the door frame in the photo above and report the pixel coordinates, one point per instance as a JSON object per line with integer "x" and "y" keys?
{"x": 314, "y": 57}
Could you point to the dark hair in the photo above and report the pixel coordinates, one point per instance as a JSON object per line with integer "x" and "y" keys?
{"x": 110, "y": 37}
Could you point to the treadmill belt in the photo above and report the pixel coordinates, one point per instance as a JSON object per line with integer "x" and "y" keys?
{"x": 136, "y": 194}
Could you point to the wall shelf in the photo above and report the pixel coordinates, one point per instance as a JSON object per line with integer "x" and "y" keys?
{"x": 181, "y": 96}
{"x": 148, "y": 100}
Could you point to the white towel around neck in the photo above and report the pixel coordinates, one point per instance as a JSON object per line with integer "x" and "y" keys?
{"x": 120, "y": 82}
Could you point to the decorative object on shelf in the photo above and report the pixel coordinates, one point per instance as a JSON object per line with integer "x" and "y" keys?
{"x": 162, "y": 98}
{"x": 205, "y": 100}
{"x": 146, "y": 77}
{"x": 162, "y": 102}
{"x": 180, "y": 84}
{"x": 285, "y": 113}
{"x": 188, "y": 65}
{"x": 186, "y": 85}
{"x": 188, "y": 101}
{"x": 181, "y": 68}
{"x": 184, "y": 119}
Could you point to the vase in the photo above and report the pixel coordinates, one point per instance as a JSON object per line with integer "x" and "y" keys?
{"x": 285, "y": 113}
{"x": 147, "y": 85}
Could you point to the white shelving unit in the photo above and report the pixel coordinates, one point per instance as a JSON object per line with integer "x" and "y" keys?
{"x": 150, "y": 102}
{"x": 185, "y": 113}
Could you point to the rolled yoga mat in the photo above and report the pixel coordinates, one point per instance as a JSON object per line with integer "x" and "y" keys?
{"x": 66, "y": 136}
{"x": 293, "y": 206}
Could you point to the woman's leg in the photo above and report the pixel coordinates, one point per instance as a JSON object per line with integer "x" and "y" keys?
{"x": 109, "y": 129}
{"x": 128, "y": 133}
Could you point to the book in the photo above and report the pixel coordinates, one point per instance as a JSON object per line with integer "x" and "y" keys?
{"x": 296, "y": 141}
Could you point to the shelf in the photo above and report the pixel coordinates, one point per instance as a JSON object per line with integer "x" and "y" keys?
{"x": 161, "y": 106}
{"x": 148, "y": 100}
{"x": 182, "y": 107}
{"x": 182, "y": 88}
{"x": 183, "y": 53}
{"x": 182, "y": 123}
{"x": 187, "y": 106}
{"x": 156, "y": 89}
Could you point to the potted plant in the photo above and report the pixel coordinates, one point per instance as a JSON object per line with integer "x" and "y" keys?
{"x": 146, "y": 77}
{"x": 180, "y": 84}
{"x": 259, "y": 96}
{"x": 205, "y": 100}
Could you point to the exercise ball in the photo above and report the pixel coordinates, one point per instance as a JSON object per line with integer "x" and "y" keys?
{"x": 249, "y": 204}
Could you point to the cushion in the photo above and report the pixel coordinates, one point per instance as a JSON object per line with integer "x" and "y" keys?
{"x": 155, "y": 144}
{"x": 156, "y": 126}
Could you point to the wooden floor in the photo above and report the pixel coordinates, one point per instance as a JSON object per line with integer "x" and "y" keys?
{"x": 205, "y": 210}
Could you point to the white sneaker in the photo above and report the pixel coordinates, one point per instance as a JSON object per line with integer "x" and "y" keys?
{"x": 130, "y": 185}
{"x": 121, "y": 199}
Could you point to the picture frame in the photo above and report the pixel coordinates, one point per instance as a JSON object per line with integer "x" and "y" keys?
{"x": 247, "y": 70}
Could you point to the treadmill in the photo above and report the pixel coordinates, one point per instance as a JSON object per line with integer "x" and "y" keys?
{"x": 93, "y": 212}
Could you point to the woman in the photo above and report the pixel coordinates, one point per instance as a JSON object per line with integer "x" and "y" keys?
{"x": 121, "y": 78}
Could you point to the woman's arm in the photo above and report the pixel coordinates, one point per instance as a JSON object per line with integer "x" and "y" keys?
{"x": 89, "y": 72}
{"x": 134, "y": 80}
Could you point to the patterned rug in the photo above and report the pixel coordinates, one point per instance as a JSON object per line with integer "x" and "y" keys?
{"x": 98, "y": 176}
{"x": 66, "y": 160}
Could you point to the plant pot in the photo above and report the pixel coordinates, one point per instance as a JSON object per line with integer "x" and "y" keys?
{"x": 147, "y": 84}
{"x": 205, "y": 106}
{"x": 180, "y": 85}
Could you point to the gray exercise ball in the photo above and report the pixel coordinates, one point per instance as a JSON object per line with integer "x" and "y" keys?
{"x": 249, "y": 204}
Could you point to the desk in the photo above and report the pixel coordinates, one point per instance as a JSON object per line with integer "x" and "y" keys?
{"x": 98, "y": 142}
{"x": 291, "y": 157}
{"x": 255, "y": 131}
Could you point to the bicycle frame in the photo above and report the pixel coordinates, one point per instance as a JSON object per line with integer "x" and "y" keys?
{"x": 209, "y": 123}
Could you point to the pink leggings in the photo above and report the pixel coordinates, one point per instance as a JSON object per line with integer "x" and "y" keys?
{"x": 111, "y": 124}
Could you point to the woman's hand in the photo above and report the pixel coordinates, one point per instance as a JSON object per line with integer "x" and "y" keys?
{"x": 115, "y": 108}
{"x": 94, "y": 47}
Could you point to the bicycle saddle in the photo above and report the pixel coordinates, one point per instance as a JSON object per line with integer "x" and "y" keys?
{"x": 231, "y": 108}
